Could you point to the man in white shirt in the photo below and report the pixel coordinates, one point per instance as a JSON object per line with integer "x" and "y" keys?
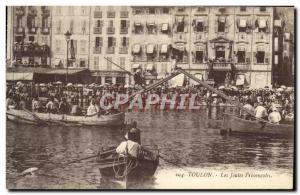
{"x": 274, "y": 116}
{"x": 248, "y": 107}
{"x": 92, "y": 109}
{"x": 260, "y": 111}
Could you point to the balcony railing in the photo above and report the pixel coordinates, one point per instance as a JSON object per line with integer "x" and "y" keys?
{"x": 110, "y": 50}
{"x": 242, "y": 66}
{"x": 222, "y": 65}
{"x": 31, "y": 50}
{"x": 97, "y": 50}
{"x": 123, "y": 50}
{"x": 111, "y": 14}
{"x": 97, "y": 14}
{"x": 97, "y": 30}
{"x": 110, "y": 30}
{"x": 124, "y": 31}
{"x": 45, "y": 30}
{"x": 20, "y": 11}
{"x": 20, "y": 30}
{"x": 124, "y": 14}
{"x": 32, "y": 30}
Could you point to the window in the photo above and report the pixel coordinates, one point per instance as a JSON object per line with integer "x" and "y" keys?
{"x": 31, "y": 38}
{"x": 31, "y": 61}
{"x": 181, "y": 9}
{"x": 124, "y": 41}
{"x": 180, "y": 26}
{"x": 72, "y": 26}
{"x": 111, "y": 23}
{"x": 260, "y": 56}
{"x": 98, "y": 42}
{"x": 108, "y": 80}
{"x": 58, "y": 26}
{"x": 241, "y": 55}
{"x": 199, "y": 57}
{"x": 96, "y": 62}
{"x": 18, "y": 39}
{"x": 83, "y": 26}
{"x": 58, "y": 46}
{"x": 58, "y": 10}
{"x": 82, "y": 63}
{"x": 152, "y": 10}
{"x": 123, "y": 24}
{"x": 122, "y": 62}
{"x": 110, "y": 42}
{"x": 165, "y": 10}
{"x": 109, "y": 64}
{"x": 201, "y": 9}
{"x": 220, "y": 52}
{"x": 221, "y": 26}
{"x": 44, "y": 61}
{"x": 83, "y": 10}
{"x": 199, "y": 26}
{"x": 243, "y": 9}
{"x": 138, "y": 11}
{"x": 45, "y": 22}
{"x": 262, "y": 9}
{"x": 71, "y": 10}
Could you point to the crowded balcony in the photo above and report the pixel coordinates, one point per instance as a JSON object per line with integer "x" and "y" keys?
{"x": 97, "y": 14}
{"x": 31, "y": 49}
{"x": 123, "y": 50}
{"x": 124, "y": 14}
{"x": 97, "y": 30}
{"x": 97, "y": 50}
{"x": 110, "y": 30}
{"x": 110, "y": 50}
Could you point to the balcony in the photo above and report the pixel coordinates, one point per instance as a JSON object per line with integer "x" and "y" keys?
{"x": 242, "y": 66}
{"x": 45, "y": 12}
{"x": 97, "y": 14}
{"x": 45, "y": 30}
{"x": 32, "y": 12}
{"x": 32, "y": 30}
{"x": 20, "y": 11}
{"x": 111, "y": 14}
{"x": 31, "y": 50}
{"x": 19, "y": 30}
{"x": 124, "y": 31}
{"x": 123, "y": 50}
{"x": 97, "y": 30}
{"x": 222, "y": 65}
{"x": 110, "y": 50}
{"x": 110, "y": 30}
{"x": 97, "y": 50}
{"x": 179, "y": 37}
{"x": 124, "y": 14}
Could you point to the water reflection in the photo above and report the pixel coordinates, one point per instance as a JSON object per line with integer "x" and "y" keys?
{"x": 183, "y": 137}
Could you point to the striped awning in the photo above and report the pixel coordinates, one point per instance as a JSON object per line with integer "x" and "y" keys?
{"x": 165, "y": 27}
{"x": 150, "y": 48}
{"x": 136, "y": 48}
{"x": 18, "y": 76}
{"x": 164, "y": 48}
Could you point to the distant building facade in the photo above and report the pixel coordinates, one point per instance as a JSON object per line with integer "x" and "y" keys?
{"x": 231, "y": 45}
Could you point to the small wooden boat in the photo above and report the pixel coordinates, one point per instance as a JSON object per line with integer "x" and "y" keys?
{"x": 125, "y": 169}
{"x": 234, "y": 124}
{"x": 66, "y": 120}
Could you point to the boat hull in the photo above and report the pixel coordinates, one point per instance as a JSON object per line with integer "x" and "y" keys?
{"x": 232, "y": 124}
{"x": 65, "y": 120}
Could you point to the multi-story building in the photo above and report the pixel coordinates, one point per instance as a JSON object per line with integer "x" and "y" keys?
{"x": 30, "y": 42}
{"x": 76, "y": 20}
{"x": 109, "y": 43}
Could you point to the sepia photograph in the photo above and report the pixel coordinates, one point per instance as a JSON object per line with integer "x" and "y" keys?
{"x": 141, "y": 97}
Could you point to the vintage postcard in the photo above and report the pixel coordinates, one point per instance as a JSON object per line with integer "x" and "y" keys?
{"x": 150, "y": 97}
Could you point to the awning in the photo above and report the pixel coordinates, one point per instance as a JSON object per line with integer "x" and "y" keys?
{"x": 180, "y": 47}
{"x": 165, "y": 27}
{"x": 57, "y": 62}
{"x": 164, "y": 48}
{"x": 151, "y": 23}
{"x": 12, "y": 76}
{"x": 150, "y": 67}
{"x": 222, "y": 19}
{"x": 150, "y": 48}
{"x": 136, "y": 66}
{"x": 64, "y": 71}
{"x": 199, "y": 48}
{"x": 136, "y": 48}
{"x": 262, "y": 23}
{"x": 243, "y": 23}
{"x": 240, "y": 79}
{"x": 277, "y": 23}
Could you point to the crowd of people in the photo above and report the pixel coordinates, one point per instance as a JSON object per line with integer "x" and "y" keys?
{"x": 77, "y": 99}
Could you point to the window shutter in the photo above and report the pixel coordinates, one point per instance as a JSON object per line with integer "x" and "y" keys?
{"x": 114, "y": 41}
{"x": 267, "y": 57}
{"x": 254, "y": 58}
{"x": 226, "y": 28}
{"x": 267, "y": 27}
{"x": 216, "y": 26}
{"x": 127, "y": 41}
{"x": 248, "y": 57}
{"x": 127, "y": 23}
{"x": 235, "y": 59}
{"x": 101, "y": 23}
{"x": 100, "y": 41}
{"x": 185, "y": 27}
{"x": 205, "y": 26}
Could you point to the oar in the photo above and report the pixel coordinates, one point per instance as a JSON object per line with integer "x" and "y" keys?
{"x": 173, "y": 163}
{"x": 34, "y": 169}
{"x": 35, "y": 116}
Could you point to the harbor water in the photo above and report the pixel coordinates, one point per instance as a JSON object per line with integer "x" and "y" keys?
{"x": 190, "y": 140}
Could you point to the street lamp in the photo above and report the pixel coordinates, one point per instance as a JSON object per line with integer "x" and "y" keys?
{"x": 68, "y": 38}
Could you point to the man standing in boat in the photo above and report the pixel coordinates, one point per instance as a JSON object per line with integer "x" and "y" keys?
{"x": 249, "y": 108}
{"x": 260, "y": 111}
{"x": 274, "y": 116}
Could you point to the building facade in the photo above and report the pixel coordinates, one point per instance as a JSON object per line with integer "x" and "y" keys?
{"x": 230, "y": 45}
{"x": 30, "y": 44}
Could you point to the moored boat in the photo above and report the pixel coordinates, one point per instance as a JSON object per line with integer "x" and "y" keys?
{"x": 66, "y": 120}
{"x": 234, "y": 124}
{"x": 127, "y": 169}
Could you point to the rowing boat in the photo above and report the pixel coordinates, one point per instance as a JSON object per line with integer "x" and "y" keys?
{"x": 234, "y": 124}
{"x": 23, "y": 116}
{"x": 125, "y": 169}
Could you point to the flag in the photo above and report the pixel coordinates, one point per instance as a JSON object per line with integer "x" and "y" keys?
{"x": 73, "y": 49}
